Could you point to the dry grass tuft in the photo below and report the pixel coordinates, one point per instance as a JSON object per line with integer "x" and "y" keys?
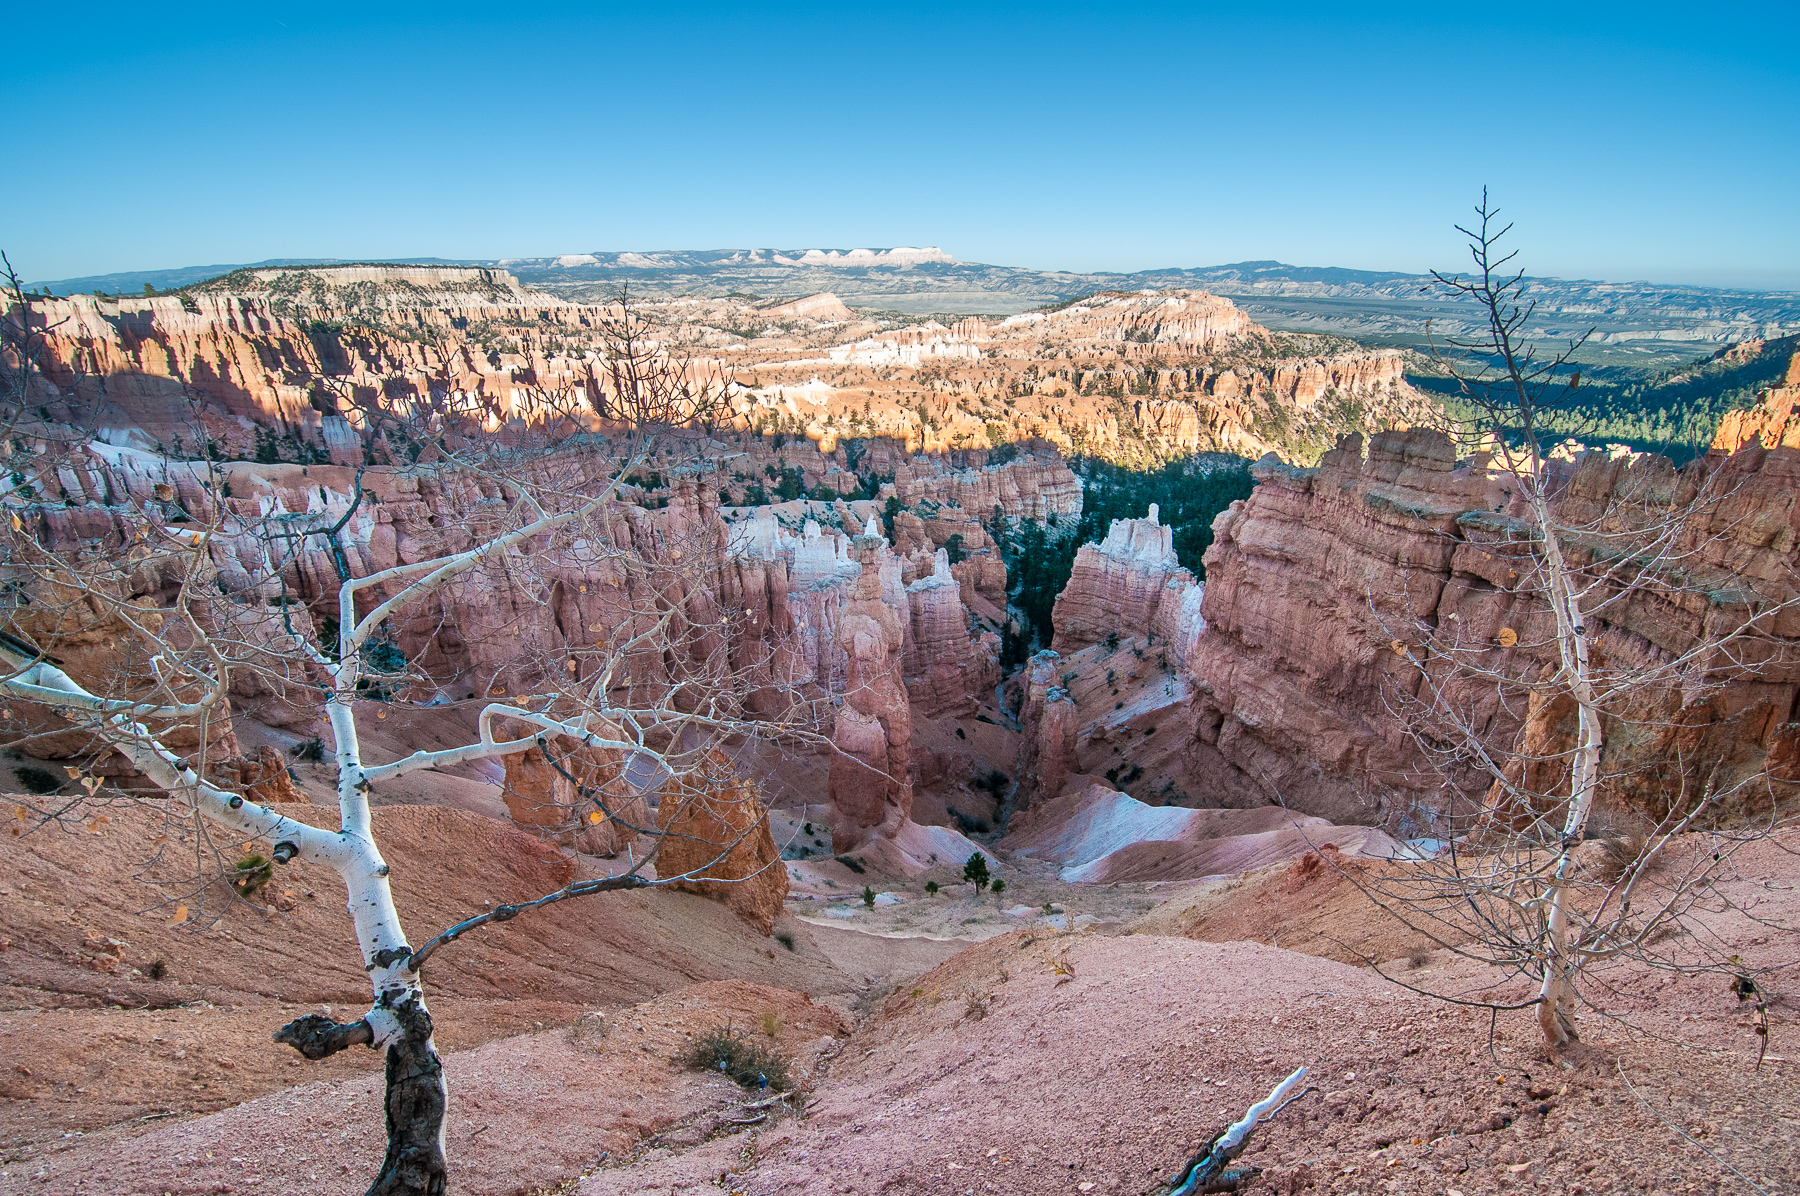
{"x": 730, "y": 1052}
{"x": 1619, "y": 851}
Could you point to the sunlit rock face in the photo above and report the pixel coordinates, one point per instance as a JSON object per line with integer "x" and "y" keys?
{"x": 1773, "y": 423}
{"x": 717, "y": 838}
{"x": 1130, "y": 584}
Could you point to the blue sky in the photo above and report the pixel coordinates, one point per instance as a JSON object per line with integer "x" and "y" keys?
{"x": 1629, "y": 142}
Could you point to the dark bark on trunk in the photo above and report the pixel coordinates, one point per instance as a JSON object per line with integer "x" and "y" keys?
{"x": 416, "y": 1101}
{"x": 317, "y": 1036}
{"x": 1211, "y": 1170}
{"x": 416, "y": 1097}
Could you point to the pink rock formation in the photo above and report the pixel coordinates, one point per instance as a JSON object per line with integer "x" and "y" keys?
{"x": 1040, "y": 487}
{"x": 1774, "y": 422}
{"x": 871, "y": 634}
{"x": 1308, "y": 580}
{"x": 833, "y": 618}
{"x": 859, "y": 779}
{"x": 1047, "y": 751}
{"x": 1130, "y": 584}
{"x": 135, "y": 366}
{"x": 246, "y": 350}
{"x": 263, "y": 780}
{"x": 947, "y": 667}
{"x": 541, "y": 798}
{"x": 719, "y": 815}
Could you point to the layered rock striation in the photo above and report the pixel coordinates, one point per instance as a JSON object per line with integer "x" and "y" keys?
{"x": 1050, "y": 718}
{"x": 289, "y": 364}
{"x": 1129, "y": 584}
{"x": 298, "y": 361}
{"x": 827, "y": 617}
{"x": 950, "y": 666}
{"x": 1773, "y": 423}
{"x": 1318, "y": 584}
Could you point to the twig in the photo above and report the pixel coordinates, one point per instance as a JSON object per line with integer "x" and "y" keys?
{"x": 1621, "y": 1070}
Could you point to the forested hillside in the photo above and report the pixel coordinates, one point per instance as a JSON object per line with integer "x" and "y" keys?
{"x": 1674, "y": 412}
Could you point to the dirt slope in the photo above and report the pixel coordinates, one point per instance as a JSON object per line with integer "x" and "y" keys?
{"x": 91, "y": 1038}
{"x": 995, "y": 1073}
{"x": 1304, "y": 905}
{"x": 1102, "y": 836}
{"x": 524, "y": 1113}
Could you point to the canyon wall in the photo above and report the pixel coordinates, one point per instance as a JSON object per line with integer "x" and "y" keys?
{"x": 950, "y": 668}
{"x": 1773, "y": 423}
{"x": 152, "y": 372}
{"x": 1095, "y": 702}
{"x": 1051, "y": 722}
{"x": 286, "y": 364}
{"x": 829, "y": 615}
{"x": 1317, "y": 584}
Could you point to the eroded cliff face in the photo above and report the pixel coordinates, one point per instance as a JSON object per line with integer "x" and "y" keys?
{"x": 1038, "y": 486}
{"x": 827, "y": 614}
{"x": 950, "y": 666}
{"x": 1772, "y": 423}
{"x": 1129, "y": 585}
{"x": 1112, "y": 698}
{"x": 1047, "y": 749}
{"x": 286, "y": 364}
{"x": 297, "y": 363}
{"x": 1313, "y": 580}
{"x": 1125, "y": 375}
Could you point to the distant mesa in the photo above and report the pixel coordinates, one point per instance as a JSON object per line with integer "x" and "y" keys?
{"x": 1634, "y": 324}
{"x": 901, "y": 256}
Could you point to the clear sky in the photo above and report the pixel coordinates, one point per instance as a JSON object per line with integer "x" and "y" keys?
{"x": 1637, "y": 141}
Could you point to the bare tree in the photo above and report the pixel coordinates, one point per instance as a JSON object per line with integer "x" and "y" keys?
{"x": 1596, "y": 690}
{"x": 128, "y": 630}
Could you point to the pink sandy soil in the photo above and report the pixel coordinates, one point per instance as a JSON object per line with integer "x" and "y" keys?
{"x": 1104, "y": 1083}
{"x": 1038, "y": 1062}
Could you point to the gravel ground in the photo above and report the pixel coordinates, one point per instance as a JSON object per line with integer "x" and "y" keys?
{"x": 1000, "y": 1072}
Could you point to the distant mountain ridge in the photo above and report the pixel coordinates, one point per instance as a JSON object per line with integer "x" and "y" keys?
{"x": 131, "y": 282}
{"x": 1635, "y": 323}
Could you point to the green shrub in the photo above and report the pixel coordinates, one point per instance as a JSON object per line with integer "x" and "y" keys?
{"x": 732, "y": 1053}
{"x": 251, "y": 874}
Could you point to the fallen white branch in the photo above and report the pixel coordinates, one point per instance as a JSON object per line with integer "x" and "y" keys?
{"x": 1241, "y": 1129}
{"x": 1207, "y": 1171}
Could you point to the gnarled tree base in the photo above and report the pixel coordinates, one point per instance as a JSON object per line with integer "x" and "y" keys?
{"x": 416, "y": 1096}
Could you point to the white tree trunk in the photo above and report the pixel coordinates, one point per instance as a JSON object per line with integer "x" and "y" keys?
{"x": 398, "y": 1021}
{"x": 1556, "y": 996}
